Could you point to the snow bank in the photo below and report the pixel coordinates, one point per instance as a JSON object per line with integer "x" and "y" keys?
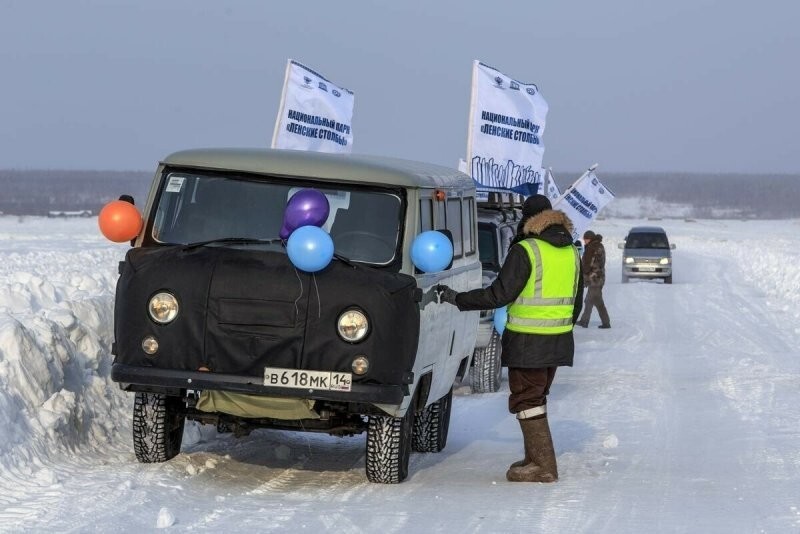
{"x": 56, "y": 315}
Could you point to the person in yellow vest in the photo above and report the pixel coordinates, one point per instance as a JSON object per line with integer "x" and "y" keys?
{"x": 542, "y": 285}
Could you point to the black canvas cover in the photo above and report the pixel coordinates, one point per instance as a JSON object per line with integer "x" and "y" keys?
{"x": 243, "y": 309}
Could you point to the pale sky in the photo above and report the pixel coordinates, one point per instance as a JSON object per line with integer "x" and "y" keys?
{"x": 684, "y": 85}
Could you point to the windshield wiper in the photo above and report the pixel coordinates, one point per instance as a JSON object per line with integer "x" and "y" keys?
{"x": 233, "y": 240}
{"x": 254, "y": 241}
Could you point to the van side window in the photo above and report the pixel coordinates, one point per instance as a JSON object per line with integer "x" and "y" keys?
{"x": 454, "y": 225}
{"x": 468, "y": 225}
{"x": 425, "y": 214}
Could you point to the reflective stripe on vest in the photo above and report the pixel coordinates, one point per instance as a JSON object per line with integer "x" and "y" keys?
{"x": 546, "y": 304}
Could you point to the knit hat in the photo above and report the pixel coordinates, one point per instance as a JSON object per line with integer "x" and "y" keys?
{"x": 588, "y": 234}
{"x": 534, "y": 205}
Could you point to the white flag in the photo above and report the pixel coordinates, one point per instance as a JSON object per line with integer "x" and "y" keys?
{"x": 583, "y": 201}
{"x": 551, "y": 190}
{"x": 504, "y": 145}
{"x": 314, "y": 113}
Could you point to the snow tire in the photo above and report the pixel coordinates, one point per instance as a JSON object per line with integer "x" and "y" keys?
{"x": 486, "y": 372}
{"x": 668, "y": 279}
{"x": 432, "y": 424}
{"x": 389, "y": 447}
{"x": 157, "y": 427}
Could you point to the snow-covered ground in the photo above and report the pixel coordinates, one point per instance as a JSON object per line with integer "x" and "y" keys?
{"x": 682, "y": 418}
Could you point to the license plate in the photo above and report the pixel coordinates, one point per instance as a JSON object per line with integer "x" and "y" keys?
{"x": 647, "y": 269}
{"x": 302, "y": 379}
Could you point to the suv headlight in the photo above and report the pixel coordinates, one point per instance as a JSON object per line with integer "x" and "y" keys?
{"x": 163, "y": 307}
{"x": 352, "y": 325}
{"x": 664, "y": 261}
{"x": 628, "y": 259}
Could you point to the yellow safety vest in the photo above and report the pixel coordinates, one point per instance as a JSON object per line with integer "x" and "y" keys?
{"x": 546, "y": 303}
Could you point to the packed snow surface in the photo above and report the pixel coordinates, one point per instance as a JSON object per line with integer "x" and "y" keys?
{"x": 683, "y": 417}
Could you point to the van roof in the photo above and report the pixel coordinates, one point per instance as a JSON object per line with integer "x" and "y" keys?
{"x": 321, "y": 166}
{"x": 647, "y": 230}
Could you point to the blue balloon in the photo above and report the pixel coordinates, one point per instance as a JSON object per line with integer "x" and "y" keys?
{"x": 500, "y": 319}
{"x": 310, "y": 248}
{"x": 431, "y": 251}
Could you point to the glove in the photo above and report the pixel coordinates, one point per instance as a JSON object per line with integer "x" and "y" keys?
{"x": 445, "y": 294}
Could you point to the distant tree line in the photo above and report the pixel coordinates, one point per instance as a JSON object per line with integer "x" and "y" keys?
{"x": 37, "y": 192}
{"x": 772, "y": 196}
{"x": 762, "y": 196}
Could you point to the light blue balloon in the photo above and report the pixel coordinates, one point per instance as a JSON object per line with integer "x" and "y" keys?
{"x": 310, "y": 248}
{"x": 500, "y": 319}
{"x": 431, "y": 251}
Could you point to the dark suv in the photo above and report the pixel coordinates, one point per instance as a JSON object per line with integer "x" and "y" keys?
{"x": 647, "y": 254}
{"x": 496, "y": 229}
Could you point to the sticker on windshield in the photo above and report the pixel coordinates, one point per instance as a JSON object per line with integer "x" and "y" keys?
{"x": 175, "y": 184}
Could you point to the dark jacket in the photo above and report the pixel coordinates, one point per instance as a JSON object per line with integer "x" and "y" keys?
{"x": 528, "y": 350}
{"x": 593, "y": 264}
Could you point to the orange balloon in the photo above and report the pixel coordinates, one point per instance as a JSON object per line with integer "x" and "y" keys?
{"x": 119, "y": 221}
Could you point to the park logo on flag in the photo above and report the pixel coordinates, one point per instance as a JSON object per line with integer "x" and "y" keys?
{"x": 504, "y": 146}
{"x": 314, "y": 114}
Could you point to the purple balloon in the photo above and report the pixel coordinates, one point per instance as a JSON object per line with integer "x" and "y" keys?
{"x": 307, "y": 207}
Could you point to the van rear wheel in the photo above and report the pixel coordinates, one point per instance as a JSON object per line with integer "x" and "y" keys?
{"x": 486, "y": 371}
{"x": 389, "y": 447}
{"x": 157, "y": 427}
{"x": 432, "y": 424}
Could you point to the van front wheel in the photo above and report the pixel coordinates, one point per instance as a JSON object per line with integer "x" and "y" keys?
{"x": 389, "y": 447}
{"x": 157, "y": 427}
{"x": 486, "y": 371}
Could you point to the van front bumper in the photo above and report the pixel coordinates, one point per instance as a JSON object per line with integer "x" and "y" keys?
{"x": 646, "y": 270}
{"x": 136, "y": 378}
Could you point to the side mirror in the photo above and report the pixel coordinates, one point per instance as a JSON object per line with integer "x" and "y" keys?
{"x": 672, "y": 246}
{"x": 621, "y": 245}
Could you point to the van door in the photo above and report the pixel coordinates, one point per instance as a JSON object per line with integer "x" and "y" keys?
{"x": 447, "y": 336}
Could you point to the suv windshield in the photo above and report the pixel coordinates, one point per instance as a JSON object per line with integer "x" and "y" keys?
{"x": 487, "y": 247}
{"x": 646, "y": 240}
{"x": 195, "y": 208}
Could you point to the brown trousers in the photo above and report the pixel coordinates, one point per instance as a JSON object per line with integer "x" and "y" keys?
{"x": 529, "y": 387}
{"x": 594, "y": 297}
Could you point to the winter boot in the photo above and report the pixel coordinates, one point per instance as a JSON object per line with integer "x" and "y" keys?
{"x": 539, "y": 454}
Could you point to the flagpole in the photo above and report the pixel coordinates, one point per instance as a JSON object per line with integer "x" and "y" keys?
{"x": 282, "y": 104}
{"x": 472, "y": 105}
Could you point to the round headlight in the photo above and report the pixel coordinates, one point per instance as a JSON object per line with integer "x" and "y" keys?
{"x": 664, "y": 261}
{"x": 163, "y": 307}
{"x": 628, "y": 259}
{"x": 352, "y": 326}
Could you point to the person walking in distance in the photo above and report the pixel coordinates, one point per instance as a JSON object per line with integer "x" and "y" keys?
{"x": 593, "y": 267}
{"x": 540, "y": 281}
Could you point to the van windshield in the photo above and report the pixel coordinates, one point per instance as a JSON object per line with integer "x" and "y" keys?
{"x": 195, "y": 208}
{"x": 647, "y": 240}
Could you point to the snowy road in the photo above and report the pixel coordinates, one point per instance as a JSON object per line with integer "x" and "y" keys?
{"x": 681, "y": 418}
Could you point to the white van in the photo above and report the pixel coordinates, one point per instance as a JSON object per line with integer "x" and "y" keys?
{"x": 214, "y": 323}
